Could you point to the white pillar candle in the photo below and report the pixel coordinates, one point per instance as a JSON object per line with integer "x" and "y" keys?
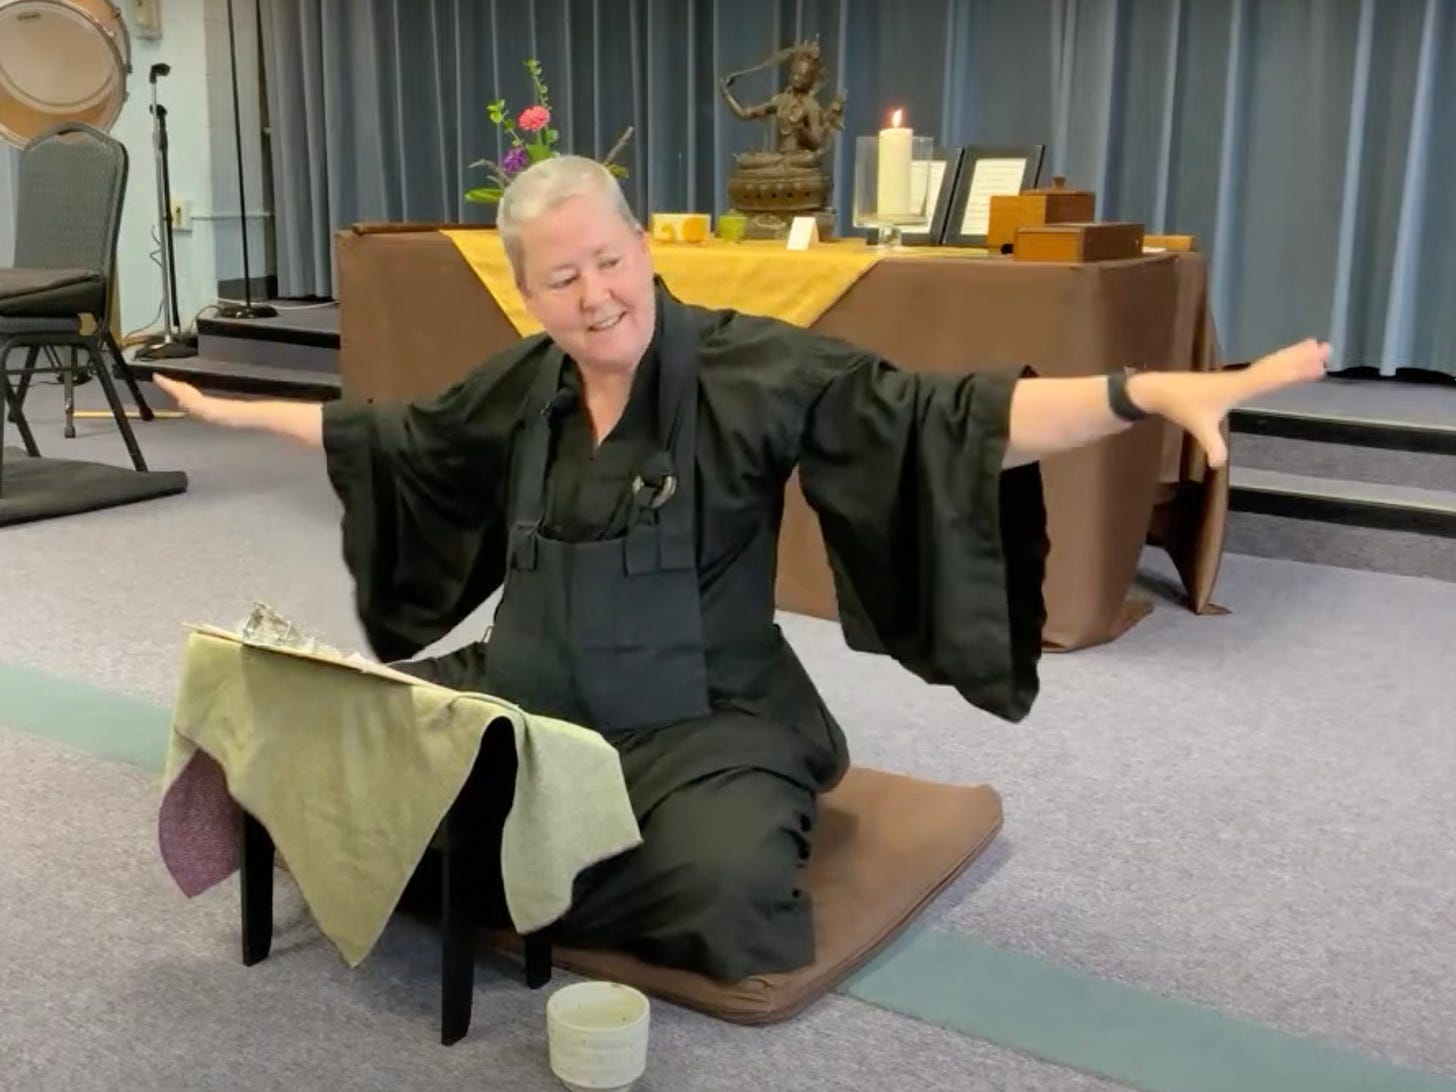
{"x": 892, "y": 196}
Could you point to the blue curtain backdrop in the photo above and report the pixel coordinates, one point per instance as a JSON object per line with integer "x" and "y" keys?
{"x": 1309, "y": 144}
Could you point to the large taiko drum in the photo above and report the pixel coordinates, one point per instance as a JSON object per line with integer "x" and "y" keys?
{"x": 60, "y": 60}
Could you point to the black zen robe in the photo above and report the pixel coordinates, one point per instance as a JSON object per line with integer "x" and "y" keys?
{"x": 937, "y": 553}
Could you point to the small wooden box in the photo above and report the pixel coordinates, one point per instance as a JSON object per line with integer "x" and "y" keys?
{"x": 1183, "y": 243}
{"x": 1054, "y": 204}
{"x": 1078, "y": 242}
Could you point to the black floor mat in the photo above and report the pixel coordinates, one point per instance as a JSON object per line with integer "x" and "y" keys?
{"x": 36, "y": 489}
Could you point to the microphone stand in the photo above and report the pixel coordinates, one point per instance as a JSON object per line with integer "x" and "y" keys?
{"x": 247, "y": 309}
{"x": 170, "y": 347}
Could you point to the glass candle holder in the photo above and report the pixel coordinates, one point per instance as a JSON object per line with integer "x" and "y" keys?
{"x": 892, "y": 183}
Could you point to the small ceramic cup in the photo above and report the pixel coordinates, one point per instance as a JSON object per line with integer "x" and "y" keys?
{"x": 596, "y": 1033}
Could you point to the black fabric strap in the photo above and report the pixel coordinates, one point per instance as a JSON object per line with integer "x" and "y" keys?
{"x": 536, "y": 450}
{"x": 671, "y": 525}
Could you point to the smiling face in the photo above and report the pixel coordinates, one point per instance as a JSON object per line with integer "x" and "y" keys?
{"x": 586, "y": 276}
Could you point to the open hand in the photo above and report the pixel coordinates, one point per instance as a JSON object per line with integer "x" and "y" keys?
{"x": 1200, "y": 402}
{"x": 190, "y": 400}
{"x": 291, "y": 419}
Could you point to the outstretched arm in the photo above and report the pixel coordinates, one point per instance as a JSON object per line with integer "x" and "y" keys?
{"x": 300, "y": 421}
{"x": 422, "y": 526}
{"x": 1049, "y": 416}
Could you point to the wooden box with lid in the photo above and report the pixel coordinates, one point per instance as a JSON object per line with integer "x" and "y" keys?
{"x": 1101, "y": 242}
{"x": 1054, "y": 204}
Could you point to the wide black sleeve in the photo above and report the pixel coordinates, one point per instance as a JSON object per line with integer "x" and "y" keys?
{"x": 937, "y": 553}
{"x": 423, "y": 489}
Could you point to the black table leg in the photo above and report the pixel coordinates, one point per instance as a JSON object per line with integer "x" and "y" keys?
{"x": 459, "y": 925}
{"x": 538, "y": 960}
{"x": 256, "y": 876}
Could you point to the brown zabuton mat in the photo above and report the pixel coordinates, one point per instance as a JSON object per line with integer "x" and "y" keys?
{"x": 885, "y": 845}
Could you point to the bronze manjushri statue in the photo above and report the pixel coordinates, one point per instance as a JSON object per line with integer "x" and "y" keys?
{"x": 771, "y": 187}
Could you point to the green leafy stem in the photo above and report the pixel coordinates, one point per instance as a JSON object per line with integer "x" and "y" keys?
{"x": 528, "y": 148}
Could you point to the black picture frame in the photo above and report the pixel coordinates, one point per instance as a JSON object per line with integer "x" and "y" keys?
{"x": 1032, "y": 154}
{"x": 944, "y": 197}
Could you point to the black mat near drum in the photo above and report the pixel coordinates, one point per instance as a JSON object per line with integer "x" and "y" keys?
{"x": 34, "y": 489}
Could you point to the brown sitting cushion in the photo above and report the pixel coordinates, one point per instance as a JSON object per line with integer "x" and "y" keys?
{"x": 885, "y": 846}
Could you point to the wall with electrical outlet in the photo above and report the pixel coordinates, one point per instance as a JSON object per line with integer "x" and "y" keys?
{"x": 184, "y": 93}
{"x": 192, "y": 37}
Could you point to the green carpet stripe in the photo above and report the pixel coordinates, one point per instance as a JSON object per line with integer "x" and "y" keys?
{"x": 1100, "y": 1027}
{"x": 112, "y": 726}
{"x": 947, "y": 979}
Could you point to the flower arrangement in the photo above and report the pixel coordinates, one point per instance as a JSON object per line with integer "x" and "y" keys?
{"x": 532, "y": 137}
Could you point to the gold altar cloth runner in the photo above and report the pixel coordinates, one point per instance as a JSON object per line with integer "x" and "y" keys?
{"x": 759, "y": 278}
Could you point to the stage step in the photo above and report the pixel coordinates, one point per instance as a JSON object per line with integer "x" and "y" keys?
{"x": 1356, "y": 503}
{"x": 297, "y": 348}
{"x": 240, "y": 377}
{"x": 312, "y": 324}
{"x": 1354, "y": 473}
{"x": 1375, "y": 460}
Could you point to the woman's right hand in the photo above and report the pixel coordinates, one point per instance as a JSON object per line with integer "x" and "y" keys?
{"x": 192, "y": 401}
{"x": 302, "y": 421}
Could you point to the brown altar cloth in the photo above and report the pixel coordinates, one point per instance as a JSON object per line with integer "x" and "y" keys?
{"x": 415, "y": 318}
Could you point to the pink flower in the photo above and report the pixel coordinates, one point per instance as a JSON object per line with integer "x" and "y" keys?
{"x": 533, "y": 118}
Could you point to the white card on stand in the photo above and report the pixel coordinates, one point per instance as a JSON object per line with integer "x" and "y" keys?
{"x": 803, "y": 232}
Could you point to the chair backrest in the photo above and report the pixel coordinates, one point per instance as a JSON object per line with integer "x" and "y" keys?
{"x": 68, "y": 203}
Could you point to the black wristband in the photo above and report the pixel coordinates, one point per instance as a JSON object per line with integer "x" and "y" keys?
{"x": 1117, "y": 398}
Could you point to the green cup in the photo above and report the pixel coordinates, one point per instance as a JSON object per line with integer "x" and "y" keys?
{"x": 731, "y": 226}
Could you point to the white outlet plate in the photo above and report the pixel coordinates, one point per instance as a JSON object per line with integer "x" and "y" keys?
{"x": 146, "y": 18}
{"x": 181, "y": 214}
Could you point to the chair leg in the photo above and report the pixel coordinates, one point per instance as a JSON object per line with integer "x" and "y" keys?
{"x": 256, "y": 882}
{"x": 124, "y": 370}
{"x": 26, "y": 375}
{"x": 68, "y": 381}
{"x": 459, "y": 925}
{"x": 13, "y": 403}
{"x": 117, "y": 409}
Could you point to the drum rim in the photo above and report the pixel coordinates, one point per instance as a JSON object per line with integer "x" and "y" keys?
{"x": 123, "y": 63}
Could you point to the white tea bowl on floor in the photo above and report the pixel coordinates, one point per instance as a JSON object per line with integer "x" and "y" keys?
{"x": 596, "y": 1034}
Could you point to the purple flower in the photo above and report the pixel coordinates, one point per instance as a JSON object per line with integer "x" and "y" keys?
{"x": 515, "y": 160}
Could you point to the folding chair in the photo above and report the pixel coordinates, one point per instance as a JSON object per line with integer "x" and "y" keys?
{"x": 71, "y": 190}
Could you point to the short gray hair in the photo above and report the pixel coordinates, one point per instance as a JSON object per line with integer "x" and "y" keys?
{"x": 544, "y": 185}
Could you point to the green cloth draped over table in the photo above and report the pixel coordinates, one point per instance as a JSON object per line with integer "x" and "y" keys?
{"x": 351, "y": 768}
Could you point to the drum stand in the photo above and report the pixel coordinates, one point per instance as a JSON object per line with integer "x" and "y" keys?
{"x": 170, "y": 347}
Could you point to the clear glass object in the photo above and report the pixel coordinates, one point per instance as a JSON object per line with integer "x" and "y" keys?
{"x": 892, "y": 184}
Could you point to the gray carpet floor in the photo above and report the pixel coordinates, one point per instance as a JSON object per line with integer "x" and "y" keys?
{"x": 110, "y": 979}
{"x": 1255, "y": 812}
